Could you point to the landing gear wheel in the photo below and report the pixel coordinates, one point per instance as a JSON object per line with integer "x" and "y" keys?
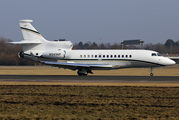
{"x": 151, "y": 74}
{"x": 81, "y": 74}
{"x": 151, "y": 71}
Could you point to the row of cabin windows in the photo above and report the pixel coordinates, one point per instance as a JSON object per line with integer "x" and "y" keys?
{"x": 113, "y": 56}
{"x": 106, "y": 56}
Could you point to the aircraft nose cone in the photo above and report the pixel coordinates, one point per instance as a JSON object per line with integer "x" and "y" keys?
{"x": 171, "y": 62}
{"x": 168, "y": 62}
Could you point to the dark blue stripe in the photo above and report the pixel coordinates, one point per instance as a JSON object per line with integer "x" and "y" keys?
{"x": 30, "y": 30}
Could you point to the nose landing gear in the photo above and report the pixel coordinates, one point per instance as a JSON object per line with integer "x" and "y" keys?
{"x": 151, "y": 71}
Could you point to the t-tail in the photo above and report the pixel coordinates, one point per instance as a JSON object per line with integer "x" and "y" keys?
{"x": 37, "y": 45}
{"x": 30, "y": 34}
{"x": 32, "y": 38}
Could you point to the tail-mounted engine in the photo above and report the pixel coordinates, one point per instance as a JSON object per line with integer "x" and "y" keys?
{"x": 21, "y": 54}
{"x": 54, "y": 54}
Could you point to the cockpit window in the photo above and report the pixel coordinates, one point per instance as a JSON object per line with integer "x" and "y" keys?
{"x": 154, "y": 54}
{"x": 159, "y": 54}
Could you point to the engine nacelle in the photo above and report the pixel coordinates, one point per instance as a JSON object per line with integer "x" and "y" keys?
{"x": 21, "y": 54}
{"x": 60, "y": 54}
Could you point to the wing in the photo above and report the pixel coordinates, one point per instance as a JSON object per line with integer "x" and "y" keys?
{"x": 72, "y": 66}
{"x": 77, "y": 65}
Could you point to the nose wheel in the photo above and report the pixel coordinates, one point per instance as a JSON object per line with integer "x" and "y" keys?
{"x": 151, "y": 74}
{"x": 151, "y": 71}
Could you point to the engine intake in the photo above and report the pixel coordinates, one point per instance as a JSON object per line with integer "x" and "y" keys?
{"x": 21, "y": 54}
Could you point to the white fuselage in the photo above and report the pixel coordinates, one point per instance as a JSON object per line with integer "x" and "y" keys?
{"x": 116, "y": 58}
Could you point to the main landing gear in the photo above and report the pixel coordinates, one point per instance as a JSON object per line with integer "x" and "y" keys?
{"x": 151, "y": 71}
{"x": 84, "y": 72}
{"x": 81, "y": 73}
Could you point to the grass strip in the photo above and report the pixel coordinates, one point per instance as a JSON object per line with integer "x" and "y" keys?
{"x": 88, "y": 102}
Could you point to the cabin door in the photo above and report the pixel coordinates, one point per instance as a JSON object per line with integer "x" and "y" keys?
{"x": 100, "y": 56}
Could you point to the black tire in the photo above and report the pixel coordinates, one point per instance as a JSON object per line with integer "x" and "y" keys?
{"x": 79, "y": 73}
{"x": 151, "y": 74}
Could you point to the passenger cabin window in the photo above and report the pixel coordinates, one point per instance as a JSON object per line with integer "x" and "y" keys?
{"x": 130, "y": 56}
{"x": 91, "y": 56}
{"x": 154, "y": 54}
{"x": 118, "y": 56}
{"x": 114, "y": 56}
{"x": 95, "y": 56}
{"x": 80, "y": 56}
{"x": 107, "y": 56}
{"x": 99, "y": 56}
{"x": 126, "y": 56}
{"x": 103, "y": 56}
{"x": 122, "y": 56}
{"x": 111, "y": 56}
{"x": 84, "y": 56}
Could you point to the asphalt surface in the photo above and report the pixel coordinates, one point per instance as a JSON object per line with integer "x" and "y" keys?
{"x": 75, "y": 78}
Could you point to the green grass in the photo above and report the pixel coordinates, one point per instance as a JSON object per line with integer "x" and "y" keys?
{"x": 88, "y": 102}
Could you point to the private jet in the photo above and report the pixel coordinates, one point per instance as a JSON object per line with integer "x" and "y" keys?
{"x": 59, "y": 53}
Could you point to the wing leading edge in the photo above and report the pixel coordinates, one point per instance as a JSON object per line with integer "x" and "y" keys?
{"x": 77, "y": 64}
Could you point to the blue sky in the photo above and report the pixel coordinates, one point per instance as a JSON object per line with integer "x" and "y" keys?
{"x": 153, "y": 21}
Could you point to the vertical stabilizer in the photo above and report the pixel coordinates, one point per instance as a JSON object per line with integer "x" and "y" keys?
{"x": 29, "y": 32}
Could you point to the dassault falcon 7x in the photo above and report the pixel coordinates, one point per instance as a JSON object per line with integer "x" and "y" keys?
{"x": 38, "y": 49}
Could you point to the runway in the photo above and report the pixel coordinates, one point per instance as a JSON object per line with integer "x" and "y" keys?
{"x": 74, "y": 78}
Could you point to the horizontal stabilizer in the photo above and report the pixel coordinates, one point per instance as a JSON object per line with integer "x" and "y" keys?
{"x": 26, "y": 42}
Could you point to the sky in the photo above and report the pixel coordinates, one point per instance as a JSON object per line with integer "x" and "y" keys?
{"x": 153, "y": 21}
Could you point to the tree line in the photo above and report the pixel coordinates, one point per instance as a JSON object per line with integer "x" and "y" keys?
{"x": 169, "y": 47}
{"x": 9, "y": 52}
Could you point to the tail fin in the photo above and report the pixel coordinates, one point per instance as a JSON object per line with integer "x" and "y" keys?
{"x": 32, "y": 38}
{"x": 29, "y": 33}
